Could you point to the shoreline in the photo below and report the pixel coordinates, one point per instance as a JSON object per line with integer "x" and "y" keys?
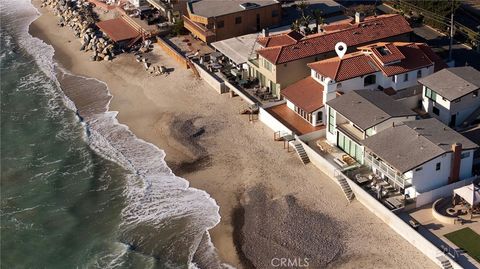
{"x": 206, "y": 142}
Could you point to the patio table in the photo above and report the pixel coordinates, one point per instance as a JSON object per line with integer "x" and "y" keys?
{"x": 361, "y": 179}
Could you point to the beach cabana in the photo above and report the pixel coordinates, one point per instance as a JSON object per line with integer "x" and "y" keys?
{"x": 469, "y": 193}
{"x": 119, "y": 31}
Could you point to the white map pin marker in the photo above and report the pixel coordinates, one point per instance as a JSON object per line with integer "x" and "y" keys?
{"x": 341, "y": 48}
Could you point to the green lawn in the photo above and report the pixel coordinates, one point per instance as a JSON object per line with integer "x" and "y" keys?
{"x": 468, "y": 240}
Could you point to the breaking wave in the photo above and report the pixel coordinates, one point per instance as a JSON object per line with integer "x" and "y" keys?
{"x": 163, "y": 218}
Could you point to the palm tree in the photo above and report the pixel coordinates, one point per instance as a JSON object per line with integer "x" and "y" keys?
{"x": 302, "y": 7}
{"x": 318, "y": 16}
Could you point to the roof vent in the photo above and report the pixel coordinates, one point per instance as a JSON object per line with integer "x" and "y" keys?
{"x": 248, "y": 5}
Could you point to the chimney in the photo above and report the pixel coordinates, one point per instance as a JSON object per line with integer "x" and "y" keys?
{"x": 359, "y": 17}
{"x": 455, "y": 167}
{"x": 265, "y": 32}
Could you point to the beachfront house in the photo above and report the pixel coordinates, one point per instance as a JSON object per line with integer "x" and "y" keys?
{"x": 451, "y": 95}
{"x": 360, "y": 114}
{"x": 392, "y": 67}
{"x": 419, "y": 156}
{"x": 283, "y": 58}
{"x": 212, "y": 21}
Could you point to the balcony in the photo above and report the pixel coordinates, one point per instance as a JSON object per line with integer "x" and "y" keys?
{"x": 206, "y": 35}
{"x": 388, "y": 171}
{"x": 350, "y": 131}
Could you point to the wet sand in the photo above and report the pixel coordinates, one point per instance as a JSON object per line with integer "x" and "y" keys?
{"x": 272, "y": 206}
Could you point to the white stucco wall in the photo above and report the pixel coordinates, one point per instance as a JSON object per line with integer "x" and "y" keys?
{"x": 463, "y": 108}
{"x": 429, "y": 178}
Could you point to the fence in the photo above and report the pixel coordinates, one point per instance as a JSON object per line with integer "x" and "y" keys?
{"x": 429, "y": 197}
{"x": 172, "y": 52}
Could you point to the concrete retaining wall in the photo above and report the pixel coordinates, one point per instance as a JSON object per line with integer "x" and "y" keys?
{"x": 321, "y": 163}
{"x": 240, "y": 93}
{"x": 429, "y": 197}
{"x": 398, "y": 225}
{"x": 273, "y": 123}
{"x": 213, "y": 80}
{"x": 172, "y": 52}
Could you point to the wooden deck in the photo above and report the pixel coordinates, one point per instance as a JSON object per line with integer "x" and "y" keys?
{"x": 292, "y": 120}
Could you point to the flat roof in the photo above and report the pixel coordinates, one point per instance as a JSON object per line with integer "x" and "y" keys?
{"x": 414, "y": 143}
{"x": 215, "y": 8}
{"x": 118, "y": 29}
{"x": 367, "y": 108}
{"x": 453, "y": 83}
{"x": 238, "y": 49}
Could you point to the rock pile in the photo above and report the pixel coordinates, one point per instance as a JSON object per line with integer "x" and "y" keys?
{"x": 80, "y": 16}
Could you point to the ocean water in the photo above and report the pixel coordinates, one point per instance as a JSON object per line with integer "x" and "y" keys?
{"x": 78, "y": 189}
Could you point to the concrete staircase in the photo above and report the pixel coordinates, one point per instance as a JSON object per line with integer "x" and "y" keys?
{"x": 345, "y": 188}
{"x": 445, "y": 263}
{"x": 301, "y": 153}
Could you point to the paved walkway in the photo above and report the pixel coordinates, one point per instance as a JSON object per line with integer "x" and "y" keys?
{"x": 435, "y": 231}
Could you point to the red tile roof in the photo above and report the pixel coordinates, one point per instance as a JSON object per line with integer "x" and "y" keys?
{"x": 385, "y": 52}
{"x": 371, "y": 30}
{"x": 415, "y": 56}
{"x": 350, "y": 66}
{"x": 280, "y": 40}
{"x": 439, "y": 63}
{"x": 307, "y": 94}
{"x": 118, "y": 29}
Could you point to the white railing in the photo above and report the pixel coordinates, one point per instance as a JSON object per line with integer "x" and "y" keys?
{"x": 401, "y": 181}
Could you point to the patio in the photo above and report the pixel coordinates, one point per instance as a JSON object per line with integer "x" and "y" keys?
{"x": 292, "y": 120}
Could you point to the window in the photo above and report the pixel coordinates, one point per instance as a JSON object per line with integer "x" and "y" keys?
{"x": 369, "y": 80}
{"x": 339, "y": 85}
{"x": 267, "y": 65}
{"x": 320, "y": 77}
{"x": 430, "y": 94}
{"x": 419, "y": 169}
{"x": 220, "y": 24}
{"x": 458, "y": 100}
{"x": 319, "y": 117}
{"x": 465, "y": 155}
{"x": 331, "y": 120}
{"x": 436, "y": 111}
{"x": 419, "y": 73}
{"x": 437, "y": 167}
{"x": 393, "y": 79}
{"x": 238, "y": 20}
{"x": 274, "y": 13}
{"x": 405, "y": 78}
{"x": 475, "y": 93}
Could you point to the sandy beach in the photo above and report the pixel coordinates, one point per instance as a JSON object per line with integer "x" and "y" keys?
{"x": 271, "y": 205}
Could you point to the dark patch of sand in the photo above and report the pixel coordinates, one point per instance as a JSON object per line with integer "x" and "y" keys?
{"x": 282, "y": 228}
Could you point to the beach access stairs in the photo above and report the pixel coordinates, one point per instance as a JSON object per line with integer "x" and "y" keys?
{"x": 301, "y": 153}
{"x": 445, "y": 262}
{"x": 345, "y": 187}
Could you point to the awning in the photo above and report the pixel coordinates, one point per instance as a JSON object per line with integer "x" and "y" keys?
{"x": 469, "y": 193}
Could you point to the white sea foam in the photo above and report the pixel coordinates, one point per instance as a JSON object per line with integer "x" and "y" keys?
{"x": 155, "y": 196}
